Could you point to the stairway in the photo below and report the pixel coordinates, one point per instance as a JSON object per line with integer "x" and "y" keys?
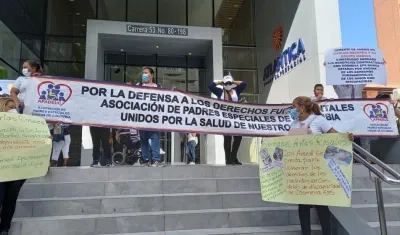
{"x": 187, "y": 200}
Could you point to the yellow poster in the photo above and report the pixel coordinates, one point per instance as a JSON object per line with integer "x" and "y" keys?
{"x": 307, "y": 169}
{"x": 24, "y": 147}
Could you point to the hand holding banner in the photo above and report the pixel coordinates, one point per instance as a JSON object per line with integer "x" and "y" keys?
{"x": 307, "y": 169}
{"x": 25, "y": 147}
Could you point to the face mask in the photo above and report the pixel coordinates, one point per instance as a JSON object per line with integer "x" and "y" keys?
{"x": 12, "y": 111}
{"x": 228, "y": 87}
{"x": 145, "y": 77}
{"x": 294, "y": 114}
{"x": 26, "y": 73}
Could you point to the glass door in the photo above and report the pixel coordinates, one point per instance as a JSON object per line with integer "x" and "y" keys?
{"x": 185, "y": 73}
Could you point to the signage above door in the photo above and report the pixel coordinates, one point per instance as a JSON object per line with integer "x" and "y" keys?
{"x": 160, "y": 30}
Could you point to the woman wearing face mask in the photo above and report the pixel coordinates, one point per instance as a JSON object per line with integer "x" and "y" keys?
{"x": 308, "y": 119}
{"x": 9, "y": 190}
{"x": 30, "y": 68}
{"x": 152, "y": 136}
{"x": 230, "y": 92}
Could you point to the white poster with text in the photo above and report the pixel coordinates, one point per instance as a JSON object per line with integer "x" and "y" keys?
{"x": 355, "y": 66}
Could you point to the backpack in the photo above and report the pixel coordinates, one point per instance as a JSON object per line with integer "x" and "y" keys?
{"x": 141, "y": 84}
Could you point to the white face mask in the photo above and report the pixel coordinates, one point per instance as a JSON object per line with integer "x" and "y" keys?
{"x": 12, "y": 111}
{"x": 26, "y": 73}
{"x": 228, "y": 87}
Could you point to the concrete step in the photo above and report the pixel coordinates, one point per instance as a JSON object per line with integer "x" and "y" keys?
{"x": 138, "y": 187}
{"x": 158, "y": 221}
{"x": 393, "y": 227}
{"x": 90, "y": 174}
{"x": 167, "y": 202}
{"x": 157, "y": 186}
{"x": 272, "y": 230}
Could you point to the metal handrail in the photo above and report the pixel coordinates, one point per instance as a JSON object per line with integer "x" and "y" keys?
{"x": 378, "y": 181}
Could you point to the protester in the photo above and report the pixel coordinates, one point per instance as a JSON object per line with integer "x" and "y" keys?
{"x": 318, "y": 93}
{"x": 230, "y": 92}
{"x": 192, "y": 142}
{"x": 30, "y": 68}
{"x": 61, "y": 142}
{"x": 308, "y": 119}
{"x": 9, "y": 190}
{"x": 152, "y": 136}
{"x": 100, "y": 137}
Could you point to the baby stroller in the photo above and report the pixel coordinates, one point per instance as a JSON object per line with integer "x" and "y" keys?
{"x": 131, "y": 153}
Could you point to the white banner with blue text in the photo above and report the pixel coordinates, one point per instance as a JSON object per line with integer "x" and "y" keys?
{"x": 117, "y": 105}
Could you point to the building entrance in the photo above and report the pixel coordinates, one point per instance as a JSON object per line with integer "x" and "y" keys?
{"x": 187, "y": 58}
{"x": 183, "y": 72}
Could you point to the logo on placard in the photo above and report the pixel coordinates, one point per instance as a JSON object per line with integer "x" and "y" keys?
{"x": 377, "y": 112}
{"x": 51, "y": 93}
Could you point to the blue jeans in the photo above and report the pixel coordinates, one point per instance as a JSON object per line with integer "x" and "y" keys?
{"x": 154, "y": 136}
{"x": 191, "y": 150}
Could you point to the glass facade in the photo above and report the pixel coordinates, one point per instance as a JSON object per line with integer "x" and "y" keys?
{"x": 54, "y": 31}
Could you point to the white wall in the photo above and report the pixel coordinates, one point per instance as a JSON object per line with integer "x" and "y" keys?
{"x": 316, "y": 23}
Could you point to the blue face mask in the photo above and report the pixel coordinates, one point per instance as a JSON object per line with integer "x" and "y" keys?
{"x": 145, "y": 77}
{"x": 294, "y": 114}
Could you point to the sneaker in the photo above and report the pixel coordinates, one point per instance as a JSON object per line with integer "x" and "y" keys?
{"x": 145, "y": 163}
{"x": 4, "y": 232}
{"x": 109, "y": 164}
{"x": 192, "y": 163}
{"x": 155, "y": 164}
{"x": 95, "y": 163}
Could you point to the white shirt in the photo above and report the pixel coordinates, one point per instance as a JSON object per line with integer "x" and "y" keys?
{"x": 21, "y": 84}
{"x": 314, "y": 98}
{"x": 191, "y": 137}
{"x": 147, "y": 85}
{"x": 234, "y": 96}
{"x": 317, "y": 123}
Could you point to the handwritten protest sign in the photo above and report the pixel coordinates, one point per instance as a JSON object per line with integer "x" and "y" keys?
{"x": 25, "y": 147}
{"x": 354, "y": 66}
{"x": 307, "y": 169}
{"x": 122, "y": 106}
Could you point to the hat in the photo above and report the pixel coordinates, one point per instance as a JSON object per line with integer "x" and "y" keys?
{"x": 227, "y": 78}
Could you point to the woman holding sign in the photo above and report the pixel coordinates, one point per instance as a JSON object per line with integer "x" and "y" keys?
{"x": 30, "y": 68}
{"x": 230, "y": 91}
{"x": 308, "y": 119}
{"x": 9, "y": 190}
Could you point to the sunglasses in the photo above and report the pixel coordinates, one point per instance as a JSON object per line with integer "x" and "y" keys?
{"x": 228, "y": 83}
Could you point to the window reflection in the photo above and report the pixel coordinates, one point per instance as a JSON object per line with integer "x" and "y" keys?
{"x": 236, "y": 20}
{"x": 112, "y": 10}
{"x": 66, "y": 69}
{"x": 172, "y": 12}
{"x": 200, "y": 13}
{"x": 239, "y": 57}
{"x": 115, "y": 73}
{"x": 65, "y": 17}
{"x": 142, "y": 11}
{"x": 65, "y": 49}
